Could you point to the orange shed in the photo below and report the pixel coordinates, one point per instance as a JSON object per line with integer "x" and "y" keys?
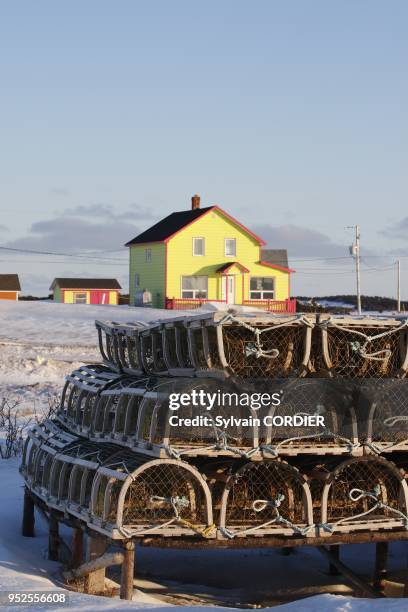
{"x": 9, "y": 287}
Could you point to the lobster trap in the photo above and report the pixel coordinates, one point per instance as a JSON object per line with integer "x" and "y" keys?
{"x": 266, "y": 498}
{"x": 140, "y": 414}
{"x": 133, "y": 496}
{"x": 364, "y": 347}
{"x": 364, "y": 493}
{"x": 315, "y": 416}
{"x": 117, "y": 492}
{"x": 119, "y": 346}
{"x": 249, "y": 345}
{"x": 383, "y": 410}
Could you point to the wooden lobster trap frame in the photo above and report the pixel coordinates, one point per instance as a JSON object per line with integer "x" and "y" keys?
{"x": 119, "y": 346}
{"x": 364, "y": 493}
{"x": 118, "y": 493}
{"x": 316, "y": 398}
{"x": 176, "y": 351}
{"x": 250, "y": 345}
{"x": 136, "y": 413}
{"x": 386, "y": 425}
{"x": 47, "y": 436}
{"x": 266, "y": 498}
{"x": 364, "y": 347}
{"x": 135, "y": 496}
{"x": 80, "y": 393}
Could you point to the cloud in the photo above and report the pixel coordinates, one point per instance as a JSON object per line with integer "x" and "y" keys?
{"x": 300, "y": 241}
{"x": 397, "y": 230}
{"x": 75, "y": 234}
{"x": 135, "y": 211}
{"x": 60, "y": 191}
{"x": 3, "y": 228}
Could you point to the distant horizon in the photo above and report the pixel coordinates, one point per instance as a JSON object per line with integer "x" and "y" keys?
{"x": 292, "y": 117}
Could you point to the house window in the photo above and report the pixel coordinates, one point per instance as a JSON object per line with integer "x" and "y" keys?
{"x": 79, "y": 298}
{"x": 148, "y": 255}
{"x": 199, "y": 246}
{"x": 230, "y": 247}
{"x": 194, "y": 287}
{"x": 262, "y": 288}
{"x": 137, "y": 281}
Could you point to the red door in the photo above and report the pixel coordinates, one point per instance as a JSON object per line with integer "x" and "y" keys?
{"x": 94, "y": 297}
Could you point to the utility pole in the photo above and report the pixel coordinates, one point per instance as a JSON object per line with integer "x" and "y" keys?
{"x": 398, "y": 285}
{"x": 355, "y": 252}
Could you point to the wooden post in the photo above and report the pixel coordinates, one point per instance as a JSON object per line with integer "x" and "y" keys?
{"x": 77, "y": 547}
{"x": 355, "y": 580}
{"x": 335, "y": 550}
{"x": 28, "y": 516}
{"x": 53, "y": 538}
{"x": 95, "y": 581}
{"x": 128, "y": 571}
{"x": 381, "y": 557}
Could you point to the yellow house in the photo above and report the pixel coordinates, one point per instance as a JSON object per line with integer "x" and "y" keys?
{"x": 204, "y": 254}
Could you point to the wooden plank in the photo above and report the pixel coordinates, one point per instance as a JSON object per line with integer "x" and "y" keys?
{"x": 355, "y": 580}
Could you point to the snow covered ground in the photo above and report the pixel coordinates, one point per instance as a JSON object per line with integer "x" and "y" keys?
{"x": 40, "y": 342}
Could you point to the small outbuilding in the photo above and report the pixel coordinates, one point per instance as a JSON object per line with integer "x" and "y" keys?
{"x": 9, "y": 287}
{"x": 86, "y": 290}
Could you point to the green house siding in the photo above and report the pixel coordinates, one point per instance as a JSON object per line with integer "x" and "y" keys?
{"x": 151, "y": 274}
{"x": 57, "y": 297}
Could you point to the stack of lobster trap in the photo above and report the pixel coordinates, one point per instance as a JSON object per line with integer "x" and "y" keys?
{"x": 113, "y": 458}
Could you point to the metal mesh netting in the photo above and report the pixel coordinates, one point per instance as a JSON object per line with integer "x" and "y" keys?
{"x": 364, "y": 474}
{"x": 332, "y": 402}
{"x": 273, "y": 482}
{"x": 164, "y": 481}
{"x": 196, "y": 425}
{"x": 354, "y": 349}
{"x": 288, "y": 342}
{"x": 383, "y": 413}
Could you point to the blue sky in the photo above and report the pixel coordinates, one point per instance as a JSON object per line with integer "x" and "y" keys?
{"x": 291, "y": 115}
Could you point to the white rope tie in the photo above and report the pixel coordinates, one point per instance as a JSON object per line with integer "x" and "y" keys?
{"x": 175, "y": 503}
{"x": 361, "y": 348}
{"x": 258, "y": 506}
{"x": 357, "y": 494}
{"x": 256, "y": 348}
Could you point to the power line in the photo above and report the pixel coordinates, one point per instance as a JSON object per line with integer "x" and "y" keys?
{"x": 77, "y": 256}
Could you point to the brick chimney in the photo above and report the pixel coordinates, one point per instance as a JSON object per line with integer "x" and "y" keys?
{"x": 195, "y": 202}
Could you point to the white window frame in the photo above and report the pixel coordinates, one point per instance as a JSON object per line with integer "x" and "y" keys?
{"x": 194, "y": 249}
{"x": 262, "y": 291}
{"x": 78, "y": 293}
{"x": 148, "y": 255}
{"x": 226, "y": 240}
{"x": 193, "y": 291}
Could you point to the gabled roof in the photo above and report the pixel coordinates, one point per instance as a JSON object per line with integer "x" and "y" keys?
{"x": 9, "y": 282}
{"x": 230, "y": 264}
{"x": 85, "y": 283}
{"x": 275, "y": 256}
{"x": 166, "y": 228}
